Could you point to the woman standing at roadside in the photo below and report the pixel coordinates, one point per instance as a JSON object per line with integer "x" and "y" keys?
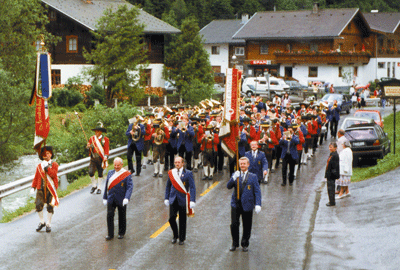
{"x": 345, "y": 169}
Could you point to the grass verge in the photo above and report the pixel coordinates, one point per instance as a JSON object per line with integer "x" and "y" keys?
{"x": 390, "y": 161}
{"x": 78, "y": 184}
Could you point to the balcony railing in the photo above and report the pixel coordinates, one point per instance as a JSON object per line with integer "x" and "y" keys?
{"x": 330, "y": 57}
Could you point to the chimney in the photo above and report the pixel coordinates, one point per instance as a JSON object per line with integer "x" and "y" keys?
{"x": 315, "y": 8}
{"x": 245, "y": 18}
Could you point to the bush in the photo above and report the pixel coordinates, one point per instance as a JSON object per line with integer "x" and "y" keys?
{"x": 97, "y": 92}
{"x": 65, "y": 98}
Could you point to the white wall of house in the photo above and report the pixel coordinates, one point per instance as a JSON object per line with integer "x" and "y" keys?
{"x": 68, "y": 71}
{"x": 382, "y": 67}
{"x": 221, "y": 59}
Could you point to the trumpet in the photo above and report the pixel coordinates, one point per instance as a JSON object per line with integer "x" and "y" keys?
{"x": 209, "y": 137}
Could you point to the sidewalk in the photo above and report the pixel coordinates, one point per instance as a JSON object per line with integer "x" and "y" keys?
{"x": 362, "y": 231}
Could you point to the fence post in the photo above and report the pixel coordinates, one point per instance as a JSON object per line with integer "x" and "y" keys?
{"x": 165, "y": 100}
{"x": 180, "y": 100}
{"x": 148, "y": 101}
{"x": 63, "y": 182}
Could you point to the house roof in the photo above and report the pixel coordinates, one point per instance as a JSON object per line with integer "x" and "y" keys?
{"x": 326, "y": 23}
{"x": 221, "y": 31}
{"x": 87, "y": 13}
{"x": 387, "y": 22}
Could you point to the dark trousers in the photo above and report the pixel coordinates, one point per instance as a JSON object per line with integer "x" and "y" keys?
{"x": 298, "y": 161}
{"x": 330, "y": 184}
{"x": 174, "y": 208}
{"x": 288, "y": 160}
{"x": 121, "y": 219}
{"x": 133, "y": 149}
{"x": 232, "y": 163}
{"x": 169, "y": 156}
{"x": 334, "y": 125}
{"x": 278, "y": 152}
{"x": 268, "y": 155}
{"x": 186, "y": 155}
{"x": 247, "y": 219}
{"x": 220, "y": 158}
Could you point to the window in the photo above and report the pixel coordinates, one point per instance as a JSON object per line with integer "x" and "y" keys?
{"x": 146, "y": 77}
{"x": 355, "y": 71}
{"x": 263, "y": 49}
{"x": 240, "y": 67}
{"x": 272, "y": 82}
{"x": 289, "y": 47}
{"x": 215, "y": 50}
{"x": 313, "y": 47}
{"x": 380, "y": 43}
{"x": 239, "y": 50}
{"x": 388, "y": 69}
{"x": 312, "y": 71}
{"x": 38, "y": 46}
{"x": 55, "y": 76}
{"x": 216, "y": 69}
{"x": 146, "y": 43}
{"x": 72, "y": 44}
{"x": 52, "y": 15}
{"x": 340, "y": 71}
{"x": 354, "y": 47}
{"x": 381, "y": 64}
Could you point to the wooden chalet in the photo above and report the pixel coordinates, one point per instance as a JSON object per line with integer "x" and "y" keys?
{"x": 73, "y": 20}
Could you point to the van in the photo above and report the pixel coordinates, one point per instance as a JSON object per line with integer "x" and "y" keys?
{"x": 259, "y": 86}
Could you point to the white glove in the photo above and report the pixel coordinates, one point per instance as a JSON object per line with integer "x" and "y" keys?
{"x": 192, "y": 204}
{"x": 105, "y": 202}
{"x": 44, "y": 164}
{"x": 32, "y": 192}
{"x": 258, "y": 209}
{"x": 236, "y": 175}
{"x": 166, "y": 202}
{"x": 125, "y": 202}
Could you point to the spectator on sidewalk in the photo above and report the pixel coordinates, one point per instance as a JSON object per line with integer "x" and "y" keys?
{"x": 346, "y": 170}
{"x": 332, "y": 173}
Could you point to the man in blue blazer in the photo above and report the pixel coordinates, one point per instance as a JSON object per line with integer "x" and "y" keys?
{"x": 289, "y": 154}
{"x": 245, "y": 197}
{"x": 135, "y": 134}
{"x": 258, "y": 162}
{"x": 176, "y": 200}
{"x": 117, "y": 193}
{"x": 335, "y": 111}
{"x": 185, "y": 142}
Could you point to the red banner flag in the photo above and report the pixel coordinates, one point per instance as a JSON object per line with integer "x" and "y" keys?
{"x": 229, "y": 130}
{"x": 42, "y": 123}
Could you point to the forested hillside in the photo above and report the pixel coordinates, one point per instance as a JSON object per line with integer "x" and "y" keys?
{"x": 174, "y": 11}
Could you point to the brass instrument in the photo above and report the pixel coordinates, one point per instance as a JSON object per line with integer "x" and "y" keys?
{"x": 160, "y": 135}
{"x": 136, "y": 132}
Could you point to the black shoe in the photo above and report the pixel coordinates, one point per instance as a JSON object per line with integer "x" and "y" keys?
{"x": 283, "y": 184}
{"x": 48, "y": 228}
{"x": 120, "y": 236}
{"x": 174, "y": 240}
{"x": 195, "y": 170}
{"x": 93, "y": 190}
{"x": 108, "y": 238}
{"x": 233, "y": 248}
{"x": 204, "y": 178}
{"x": 328, "y": 204}
{"x": 181, "y": 242}
{"x": 210, "y": 177}
{"x": 155, "y": 175}
{"x": 98, "y": 191}
{"x": 151, "y": 162}
{"x": 137, "y": 174}
{"x": 265, "y": 182}
{"x": 41, "y": 225}
{"x": 245, "y": 249}
{"x": 160, "y": 175}
{"x": 290, "y": 184}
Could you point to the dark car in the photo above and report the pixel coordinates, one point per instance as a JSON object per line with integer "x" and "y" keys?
{"x": 295, "y": 87}
{"x": 344, "y": 101}
{"x": 368, "y": 141}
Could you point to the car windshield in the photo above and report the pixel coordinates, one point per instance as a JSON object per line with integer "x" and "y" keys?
{"x": 331, "y": 98}
{"x": 348, "y": 123}
{"x": 371, "y": 115}
{"x": 361, "y": 134}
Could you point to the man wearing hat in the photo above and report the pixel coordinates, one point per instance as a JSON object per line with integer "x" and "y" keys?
{"x": 209, "y": 147}
{"x": 250, "y": 133}
{"x": 135, "y": 134}
{"x": 161, "y": 137}
{"x": 267, "y": 142}
{"x": 289, "y": 154}
{"x": 45, "y": 183}
{"x": 99, "y": 147}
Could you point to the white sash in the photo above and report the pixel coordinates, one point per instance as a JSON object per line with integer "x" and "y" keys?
{"x": 52, "y": 188}
{"x": 115, "y": 176}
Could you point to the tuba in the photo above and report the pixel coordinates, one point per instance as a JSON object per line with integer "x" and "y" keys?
{"x": 137, "y": 134}
{"x": 160, "y": 135}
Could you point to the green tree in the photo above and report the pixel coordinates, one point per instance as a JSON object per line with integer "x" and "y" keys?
{"x": 119, "y": 55}
{"x": 221, "y": 9}
{"x": 187, "y": 64}
{"x": 21, "y": 25}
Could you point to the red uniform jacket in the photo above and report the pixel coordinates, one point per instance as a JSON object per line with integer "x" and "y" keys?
{"x": 104, "y": 141}
{"x": 314, "y": 127}
{"x": 272, "y": 137}
{"x": 147, "y": 136}
{"x": 210, "y": 144}
{"x": 252, "y": 133}
{"x": 51, "y": 171}
{"x": 200, "y": 133}
{"x": 302, "y": 140}
{"x": 309, "y": 129}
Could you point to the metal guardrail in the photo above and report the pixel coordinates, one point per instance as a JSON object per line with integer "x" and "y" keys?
{"x": 63, "y": 170}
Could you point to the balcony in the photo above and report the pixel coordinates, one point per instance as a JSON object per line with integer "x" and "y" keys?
{"x": 317, "y": 57}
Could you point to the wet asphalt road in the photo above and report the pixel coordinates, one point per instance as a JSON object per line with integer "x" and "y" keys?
{"x": 295, "y": 230}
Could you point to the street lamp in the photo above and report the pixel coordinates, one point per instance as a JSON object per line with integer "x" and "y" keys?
{"x": 234, "y": 61}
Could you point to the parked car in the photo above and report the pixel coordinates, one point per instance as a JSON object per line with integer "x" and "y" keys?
{"x": 169, "y": 87}
{"x": 367, "y": 141}
{"x": 371, "y": 114}
{"x": 344, "y": 101}
{"x": 349, "y": 121}
{"x": 259, "y": 85}
{"x": 295, "y": 87}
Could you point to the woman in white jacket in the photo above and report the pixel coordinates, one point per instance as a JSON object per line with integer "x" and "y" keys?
{"x": 346, "y": 170}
